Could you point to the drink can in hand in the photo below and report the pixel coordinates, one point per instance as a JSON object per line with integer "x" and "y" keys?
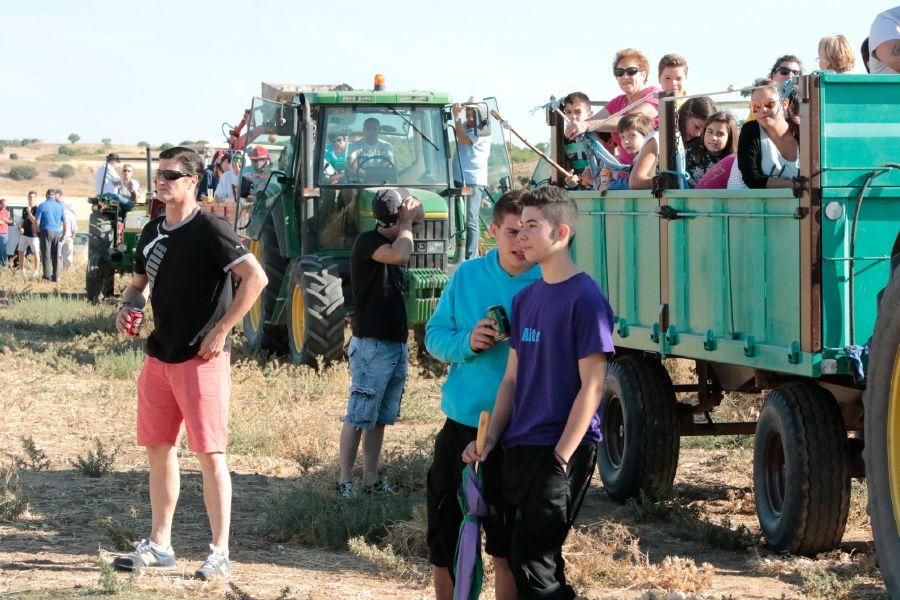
{"x": 133, "y": 320}
{"x": 497, "y": 314}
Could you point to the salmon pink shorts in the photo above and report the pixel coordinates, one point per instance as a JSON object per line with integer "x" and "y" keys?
{"x": 196, "y": 391}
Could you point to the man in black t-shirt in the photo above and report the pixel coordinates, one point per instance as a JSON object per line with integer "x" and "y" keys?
{"x": 378, "y": 352}
{"x": 186, "y": 259}
{"x": 28, "y": 235}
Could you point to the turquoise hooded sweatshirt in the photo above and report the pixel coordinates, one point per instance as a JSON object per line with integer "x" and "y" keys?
{"x": 471, "y": 386}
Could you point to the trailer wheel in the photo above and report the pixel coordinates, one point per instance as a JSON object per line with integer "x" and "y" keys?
{"x": 801, "y": 470}
{"x": 882, "y": 426}
{"x": 639, "y": 452}
{"x": 316, "y": 319}
{"x": 260, "y": 334}
{"x": 100, "y": 277}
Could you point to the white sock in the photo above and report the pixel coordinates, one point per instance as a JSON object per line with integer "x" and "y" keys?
{"x": 160, "y": 549}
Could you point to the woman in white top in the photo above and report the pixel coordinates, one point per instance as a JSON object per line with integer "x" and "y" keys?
{"x": 229, "y": 181}
{"x": 768, "y": 153}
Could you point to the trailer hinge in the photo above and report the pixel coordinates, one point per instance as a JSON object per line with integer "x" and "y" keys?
{"x": 672, "y": 336}
{"x": 623, "y": 327}
{"x": 654, "y": 333}
{"x": 794, "y": 356}
{"x": 709, "y": 343}
{"x": 667, "y": 212}
{"x": 749, "y": 346}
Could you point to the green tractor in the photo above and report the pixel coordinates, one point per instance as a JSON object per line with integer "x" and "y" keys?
{"x": 300, "y": 219}
{"x": 113, "y": 236}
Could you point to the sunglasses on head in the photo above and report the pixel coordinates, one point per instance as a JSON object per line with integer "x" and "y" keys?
{"x": 768, "y": 105}
{"x": 171, "y": 174}
{"x": 630, "y": 71}
{"x": 787, "y": 71}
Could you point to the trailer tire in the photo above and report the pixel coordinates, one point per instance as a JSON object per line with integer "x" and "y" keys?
{"x": 317, "y": 317}
{"x": 882, "y": 401}
{"x": 259, "y": 333}
{"x": 801, "y": 470}
{"x": 639, "y": 451}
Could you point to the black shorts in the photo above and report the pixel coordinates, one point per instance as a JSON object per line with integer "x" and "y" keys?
{"x": 444, "y": 480}
{"x": 542, "y": 501}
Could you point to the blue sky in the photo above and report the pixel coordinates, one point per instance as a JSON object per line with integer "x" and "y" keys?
{"x": 167, "y": 71}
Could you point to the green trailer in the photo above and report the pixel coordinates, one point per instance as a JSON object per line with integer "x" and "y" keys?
{"x": 765, "y": 290}
{"x": 302, "y": 224}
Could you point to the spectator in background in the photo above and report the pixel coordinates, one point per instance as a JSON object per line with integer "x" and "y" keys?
{"x": 70, "y": 228}
{"x": 129, "y": 188}
{"x": 786, "y": 67}
{"x": 336, "y": 158}
{"x": 768, "y": 153}
{"x": 470, "y": 169}
{"x": 5, "y": 222}
{"x": 673, "y": 72}
{"x": 108, "y": 180}
{"x": 230, "y": 179}
{"x": 28, "y": 235}
{"x": 210, "y": 178}
{"x": 50, "y": 216}
{"x": 577, "y": 107}
{"x": 378, "y": 352}
{"x": 634, "y": 131}
{"x": 631, "y": 69}
{"x": 836, "y": 54}
{"x": 719, "y": 142}
{"x": 864, "y": 52}
{"x": 258, "y": 172}
{"x": 692, "y": 118}
{"x": 884, "y": 42}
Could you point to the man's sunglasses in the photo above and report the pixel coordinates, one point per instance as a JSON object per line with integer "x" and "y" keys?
{"x": 630, "y": 71}
{"x": 787, "y": 71}
{"x": 171, "y": 174}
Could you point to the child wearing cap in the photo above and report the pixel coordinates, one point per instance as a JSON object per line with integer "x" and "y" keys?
{"x": 378, "y": 352}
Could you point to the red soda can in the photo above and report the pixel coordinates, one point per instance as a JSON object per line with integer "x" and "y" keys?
{"x": 133, "y": 321}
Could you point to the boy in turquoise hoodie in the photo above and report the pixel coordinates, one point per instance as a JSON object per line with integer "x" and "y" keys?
{"x": 460, "y": 333}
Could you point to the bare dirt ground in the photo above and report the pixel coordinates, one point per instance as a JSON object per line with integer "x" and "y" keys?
{"x": 69, "y": 382}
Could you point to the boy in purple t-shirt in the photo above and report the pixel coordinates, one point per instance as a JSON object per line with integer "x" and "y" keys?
{"x": 546, "y": 414}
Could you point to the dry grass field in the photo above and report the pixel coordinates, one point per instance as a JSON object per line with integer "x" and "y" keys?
{"x": 73, "y": 487}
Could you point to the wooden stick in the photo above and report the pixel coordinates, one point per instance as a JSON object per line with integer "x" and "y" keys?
{"x": 483, "y": 421}
{"x": 552, "y": 162}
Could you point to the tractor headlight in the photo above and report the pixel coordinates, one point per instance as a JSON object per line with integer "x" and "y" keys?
{"x": 122, "y": 247}
{"x": 434, "y": 247}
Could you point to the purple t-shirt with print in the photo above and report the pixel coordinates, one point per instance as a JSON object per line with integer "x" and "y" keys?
{"x": 552, "y": 326}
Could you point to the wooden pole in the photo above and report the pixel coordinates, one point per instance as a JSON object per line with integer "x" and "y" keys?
{"x": 552, "y": 162}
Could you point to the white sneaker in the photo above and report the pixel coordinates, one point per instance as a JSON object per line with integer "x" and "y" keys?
{"x": 215, "y": 565}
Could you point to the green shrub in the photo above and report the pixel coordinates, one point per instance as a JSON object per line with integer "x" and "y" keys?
{"x": 13, "y": 499}
{"x": 106, "y": 141}
{"x": 185, "y": 143}
{"x": 22, "y": 172}
{"x": 98, "y": 462}
{"x": 35, "y": 458}
{"x": 73, "y": 138}
{"x": 166, "y": 146}
{"x": 13, "y": 156}
{"x": 64, "y": 171}
{"x": 70, "y": 151}
{"x": 119, "y": 364}
{"x": 143, "y": 144}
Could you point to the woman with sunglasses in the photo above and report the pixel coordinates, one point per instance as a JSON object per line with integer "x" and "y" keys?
{"x": 630, "y": 69}
{"x": 768, "y": 153}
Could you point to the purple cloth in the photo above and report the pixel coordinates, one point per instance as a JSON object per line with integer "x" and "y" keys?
{"x": 469, "y": 572}
{"x": 552, "y": 327}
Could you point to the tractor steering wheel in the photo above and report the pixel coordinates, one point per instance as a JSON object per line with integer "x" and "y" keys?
{"x": 383, "y": 158}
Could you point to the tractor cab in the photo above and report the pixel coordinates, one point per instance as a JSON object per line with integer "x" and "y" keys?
{"x": 329, "y": 152}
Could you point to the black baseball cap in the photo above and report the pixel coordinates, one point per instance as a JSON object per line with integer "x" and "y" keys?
{"x": 386, "y": 206}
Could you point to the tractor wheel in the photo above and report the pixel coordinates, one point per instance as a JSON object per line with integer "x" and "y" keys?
{"x": 260, "y": 334}
{"x": 801, "y": 470}
{"x": 100, "y": 277}
{"x": 316, "y": 317}
{"x": 882, "y": 426}
{"x": 639, "y": 452}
